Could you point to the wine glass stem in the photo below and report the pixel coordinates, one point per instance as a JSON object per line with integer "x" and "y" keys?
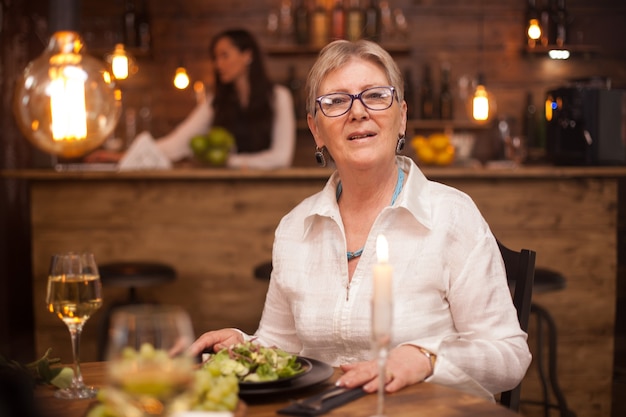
{"x": 75, "y": 331}
{"x": 382, "y": 377}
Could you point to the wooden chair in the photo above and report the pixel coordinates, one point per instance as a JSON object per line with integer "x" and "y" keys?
{"x": 520, "y": 274}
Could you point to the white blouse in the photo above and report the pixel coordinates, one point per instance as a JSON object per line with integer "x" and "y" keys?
{"x": 450, "y": 293}
{"x": 175, "y": 145}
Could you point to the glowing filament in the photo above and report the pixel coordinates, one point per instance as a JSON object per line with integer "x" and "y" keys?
{"x": 119, "y": 62}
{"x": 67, "y": 103}
{"x": 480, "y": 104}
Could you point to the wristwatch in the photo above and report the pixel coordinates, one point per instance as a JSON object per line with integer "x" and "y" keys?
{"x": 431, "y": 357}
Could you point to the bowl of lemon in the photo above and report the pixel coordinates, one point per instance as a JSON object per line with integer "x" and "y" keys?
{"x": 436, "y": 149}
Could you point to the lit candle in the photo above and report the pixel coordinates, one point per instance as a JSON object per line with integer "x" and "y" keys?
{"x": 381, "y": 298}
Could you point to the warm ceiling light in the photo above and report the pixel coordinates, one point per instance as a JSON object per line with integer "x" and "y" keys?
{"x": 122, "y": 63}
{"x": 480, "y": 104}
{"x": 483, "y": 103}
{"x": 534, "y": 31}
{"x": 181, "y": 79}
{"x": 65, "y": 102}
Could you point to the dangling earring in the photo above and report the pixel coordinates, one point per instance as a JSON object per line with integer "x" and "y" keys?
{"x": 400, "y": 144}
{"x": 319, "y": 156}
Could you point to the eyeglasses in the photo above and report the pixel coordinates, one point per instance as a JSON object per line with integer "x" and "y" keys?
{"x": 338, "y": 104}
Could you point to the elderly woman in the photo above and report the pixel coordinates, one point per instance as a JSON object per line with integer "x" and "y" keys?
{"x": 454, "y": 320}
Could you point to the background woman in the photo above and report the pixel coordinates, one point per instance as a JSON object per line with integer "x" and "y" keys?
{"x": 258, "y": 112}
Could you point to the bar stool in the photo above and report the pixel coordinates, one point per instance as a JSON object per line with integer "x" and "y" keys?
{"x": 547, "y": 280}
{"x": 131, "y": 275}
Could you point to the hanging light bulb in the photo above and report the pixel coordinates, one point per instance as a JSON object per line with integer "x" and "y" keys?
{"x": 482, "y": 102}
{"x": 122, "y": 63}
{"x": 181, "y": 79}
{"x": 533, "y": 28}
{"x": 533, "y": 32}
{"x": 65, "y": 101}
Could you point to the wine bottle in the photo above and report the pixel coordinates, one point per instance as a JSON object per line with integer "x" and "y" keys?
{"x": 338, "y": 21}
{"x": 295, "y": 86}
{"x": 302, "y": 25}
{"x": 427, "y": 104}
{"x": 354, "y": 21}
{"x": 144, "y": 34}
{"x": 560, "y": 20}
{"x": 529, "y": 127}
{"x": 130, "y": 24}
{"x": 446, "y": 100}
{"x": 372, "y": 22}
{"x": 320, "y": 25}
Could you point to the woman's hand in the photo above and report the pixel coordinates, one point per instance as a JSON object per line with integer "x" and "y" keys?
{"x": 216, "y": 340}
{"x": 406, "y": 365}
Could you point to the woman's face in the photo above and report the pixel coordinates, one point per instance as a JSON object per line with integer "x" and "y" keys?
{"x": 230, "y": 62}
{"x": 361, "y": 137}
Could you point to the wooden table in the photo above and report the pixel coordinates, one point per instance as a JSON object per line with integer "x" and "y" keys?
{"x": 424, "y": 400}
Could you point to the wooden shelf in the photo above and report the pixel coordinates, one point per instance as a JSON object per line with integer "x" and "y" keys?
{"x": 418, "y": 124}
{"x": 294, "y": 49}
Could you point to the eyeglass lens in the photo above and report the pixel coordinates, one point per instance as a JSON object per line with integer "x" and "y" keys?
{"x": 337, "y": 104}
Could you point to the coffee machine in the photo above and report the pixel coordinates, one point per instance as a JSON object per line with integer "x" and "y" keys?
{"x": 585, "y": 126}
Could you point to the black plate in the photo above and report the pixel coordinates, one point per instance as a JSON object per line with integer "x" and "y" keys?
{"x": 305, "y": 365}
{"x": 319, "y": 373}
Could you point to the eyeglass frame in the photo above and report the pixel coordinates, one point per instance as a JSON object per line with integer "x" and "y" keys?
{"x": 358, "y": 96}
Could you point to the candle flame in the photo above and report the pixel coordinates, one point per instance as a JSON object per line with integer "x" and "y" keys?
{"x": 382, "y": 249}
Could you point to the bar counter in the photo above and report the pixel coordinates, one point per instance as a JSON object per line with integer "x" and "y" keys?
{"x": 215, "y": 225}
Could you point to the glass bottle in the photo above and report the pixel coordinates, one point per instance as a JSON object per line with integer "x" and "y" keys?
{"x": 130, "y": 24}
{"x": 446, "y": 100}
{"x": 354, "y": 21}
{"x": 338, "y": 21}
{"x": 427, "y": 102}
{"x": 302, "y": 25}
{"x": 285, "y": 20}
{"x": 529, "y": 126}
{"x": 372, "y": 25}
{"x": 295, "y": 86}
{"x": 144, "y": 33}
{"x": 320, "y": 25}
{"x": 560, "y": 23}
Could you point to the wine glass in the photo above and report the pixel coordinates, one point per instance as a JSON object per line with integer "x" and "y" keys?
{"x": 149, "y": 366}
{"x": 74, "y": 293}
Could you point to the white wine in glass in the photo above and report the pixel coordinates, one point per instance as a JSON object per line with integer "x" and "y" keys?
{"x": 74, "y": 294}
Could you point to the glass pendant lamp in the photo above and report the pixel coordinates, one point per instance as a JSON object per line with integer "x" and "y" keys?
{"x": 482, "y": 103}
{"x": 122, "y": 63}
{"x": 65, "y": 101}
{"x": 533, "y": 28}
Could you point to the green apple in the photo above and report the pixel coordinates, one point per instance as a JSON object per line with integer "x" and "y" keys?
{"x": 217, "y": 156}
{"x": 199, "y": 144}
{"x": 220, "y": 137}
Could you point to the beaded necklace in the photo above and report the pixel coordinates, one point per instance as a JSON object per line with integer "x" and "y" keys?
{"x": 357, "y": 253}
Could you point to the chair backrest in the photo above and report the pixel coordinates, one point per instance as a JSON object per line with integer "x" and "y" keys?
{"x": 520, "y": 274}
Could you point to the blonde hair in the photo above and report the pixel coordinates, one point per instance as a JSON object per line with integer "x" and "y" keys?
{"x": 339, "y": 52}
